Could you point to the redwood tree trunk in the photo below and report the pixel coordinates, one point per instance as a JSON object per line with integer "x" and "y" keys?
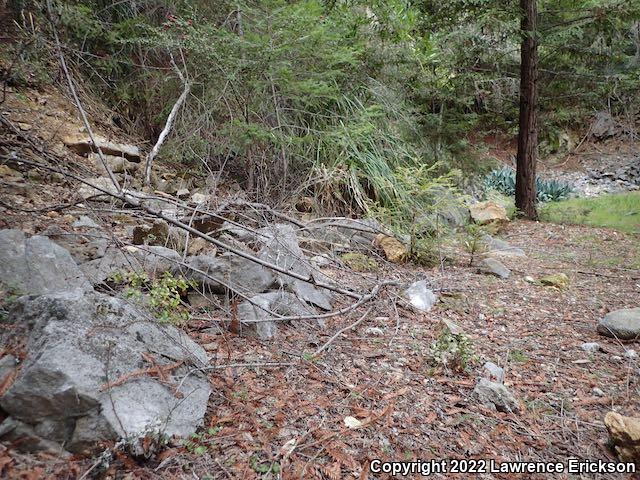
{"x": 528, "y": 131}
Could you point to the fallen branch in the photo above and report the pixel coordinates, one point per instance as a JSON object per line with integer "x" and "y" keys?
{"x": 341, "y": 331}
{"x": 130, "y": 198}
{"x": 168, "y": 124}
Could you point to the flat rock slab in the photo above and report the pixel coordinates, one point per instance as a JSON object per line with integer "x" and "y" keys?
{"x": 622, "y": 324}
{"x": 89, "y": 372}
{"x": 82, "y": 145}
{"x": 491, "y": 266}
{"x": 499, "y": 248}
{"x": 37, "y": 265}
{"x": 254, "y": 313}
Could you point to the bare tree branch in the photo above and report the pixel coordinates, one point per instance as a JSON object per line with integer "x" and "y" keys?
{"x": 168, "y": 124}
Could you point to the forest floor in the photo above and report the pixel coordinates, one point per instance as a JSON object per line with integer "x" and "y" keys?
{"x": 290, "y": 418}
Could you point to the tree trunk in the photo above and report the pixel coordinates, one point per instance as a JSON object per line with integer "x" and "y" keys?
{"x": 528, "y": 131}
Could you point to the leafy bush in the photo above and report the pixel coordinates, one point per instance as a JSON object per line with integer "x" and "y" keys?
{"x": 504, "y": 181}
{"x": 163, "y": 296}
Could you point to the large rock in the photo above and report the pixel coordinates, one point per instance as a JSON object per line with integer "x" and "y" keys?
{"x": 624, "y": 433}
{"x": 92, "y": 373}
{"x": 488, "y": 212}
{"x": 82, "y": 145}
{"x": 37, "y": 265}
{"x": 228, "y": 271}
{"x": 622, "y": 324}
{"x": 254, "y": 313}
{"x": 283, "y": 250}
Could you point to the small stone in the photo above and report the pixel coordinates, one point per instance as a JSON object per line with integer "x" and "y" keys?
{"x": 492, "y": 266}
{"x": 352, "y": 422}
{"x": 375, "y": 331}
{"x": 556, "y": 280}
{"x": 596, "y": 391}
{"x": 85, "y": 222}
{"x": 591, "y": 347}
{"x": 529, "y": 279}
{"x": 182, "y": 193}
{"x": 630, "y": 354}
{"x": 497, "y": 395}
{"x": 493, "y": 372}
{"x": 200, "y": 198}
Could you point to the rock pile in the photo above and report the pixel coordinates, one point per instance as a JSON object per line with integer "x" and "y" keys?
{"x": 96, "y": 367}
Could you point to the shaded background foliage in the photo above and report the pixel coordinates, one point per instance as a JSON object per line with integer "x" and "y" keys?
{"x": 337, "y": 99}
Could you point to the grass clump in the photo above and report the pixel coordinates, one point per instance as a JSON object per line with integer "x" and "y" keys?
{"x": 617, "y": 211}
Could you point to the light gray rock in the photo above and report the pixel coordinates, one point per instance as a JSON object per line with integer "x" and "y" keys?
{"x": 97, "y": 187}
{"x": 282, "y": 249}
{"x": 113, "y": 260}
{"x": 85, "y": 222}
{"x": 37, "y": 265}
{"x": 491, "y": 266}
{"x": 82, "y": 145}
{"x": 497, "y": 395}
{"x": 82, "y": 247}
{"x": 493, "y": 372}
{"x": 80, "y": 342}
{"x": 241, "y": 275}
{"x": 116, "y": 164}
{"x": 27, "y": 439}
{"x": 500, "y": 248}
{"x": 7, "y": 365}
{"x": 590, "y": 347}
{"x": 630, "y": 354}
{"x": 420, "y": 297}
{"x": 622, "y": 324}
{"x": 253, "y": 313}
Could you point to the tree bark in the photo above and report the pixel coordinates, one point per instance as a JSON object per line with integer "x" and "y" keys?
{"x": 528, "y": 130}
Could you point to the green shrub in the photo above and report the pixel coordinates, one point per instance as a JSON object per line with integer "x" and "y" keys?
{"x": 504, "y": 181}
{"x": 163, "y": 296}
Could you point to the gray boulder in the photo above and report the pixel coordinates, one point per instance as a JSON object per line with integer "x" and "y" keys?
{"x": 622, "y": 324}
{"x": 241, "y": 275}
{"x": 88, "y": 375}
{"x": 491, "y": 266}
{"x": 253, "y": 314}
{"x": 495, "y": 395}
{"x": 82, "y": 247}
{"x": 282, "y": 249}
{"x": 37, "y": 265}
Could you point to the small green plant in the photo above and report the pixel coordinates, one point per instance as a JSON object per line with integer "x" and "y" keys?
{"x": 163, "y": 295}
{"x": 473, "y": 240}
{"x": 264, "y": 467}
{"x": 503, "y": 180}
{"x": 518, "y": 356}
{"x": 453, "y": 350}
{"x": 198, "y": 443}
